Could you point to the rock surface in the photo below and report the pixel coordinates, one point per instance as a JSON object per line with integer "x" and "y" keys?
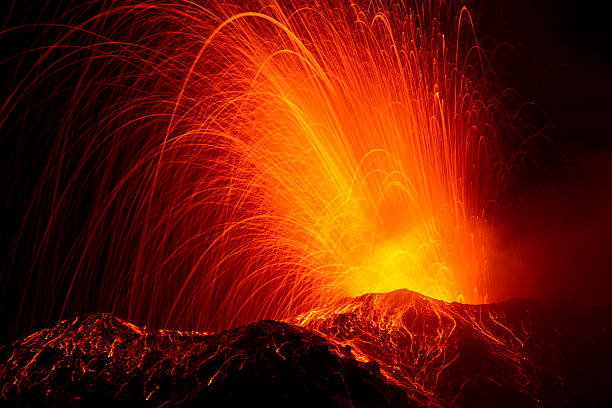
{"x": 394, "y": 349}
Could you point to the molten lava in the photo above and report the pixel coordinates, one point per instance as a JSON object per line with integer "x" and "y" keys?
{"x": 263, "y": 160}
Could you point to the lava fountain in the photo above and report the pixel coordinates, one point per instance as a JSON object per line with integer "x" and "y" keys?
{"x": 260, "y": 160}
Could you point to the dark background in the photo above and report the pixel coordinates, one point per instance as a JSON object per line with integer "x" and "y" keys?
{"x": 554, "y": 240}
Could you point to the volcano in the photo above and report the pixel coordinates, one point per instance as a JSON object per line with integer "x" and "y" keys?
{"x": 306, "y": 202}
{"x": 392, "y": 349}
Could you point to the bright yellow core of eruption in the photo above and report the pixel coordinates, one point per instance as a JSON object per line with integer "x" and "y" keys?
{"x": 360, "y": 138}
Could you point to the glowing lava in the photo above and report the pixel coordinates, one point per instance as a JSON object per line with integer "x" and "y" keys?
{"x": 351, "y": 152}
{"x": 259, "y": 161}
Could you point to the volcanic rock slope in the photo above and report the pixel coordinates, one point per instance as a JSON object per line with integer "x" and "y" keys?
{"x": 394, "y": 349}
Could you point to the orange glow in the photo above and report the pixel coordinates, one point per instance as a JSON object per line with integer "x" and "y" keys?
{"x": 260, "y": 161}
{"x": 356, "y": 136}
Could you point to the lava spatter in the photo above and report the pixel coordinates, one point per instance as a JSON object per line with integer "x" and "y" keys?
{"x": 236, "y": 162}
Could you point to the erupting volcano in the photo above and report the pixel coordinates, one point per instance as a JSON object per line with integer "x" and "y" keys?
{"x": 299, "y": 199}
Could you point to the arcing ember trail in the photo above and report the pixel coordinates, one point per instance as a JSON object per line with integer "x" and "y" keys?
{"x": 261, "y": 160}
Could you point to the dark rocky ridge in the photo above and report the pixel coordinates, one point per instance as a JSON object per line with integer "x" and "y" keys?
{"x": 100, "y": 357}
{"x": 395, "y": 349}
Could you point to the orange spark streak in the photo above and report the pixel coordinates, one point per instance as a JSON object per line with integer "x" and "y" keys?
{"x": 263, "y": 160}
